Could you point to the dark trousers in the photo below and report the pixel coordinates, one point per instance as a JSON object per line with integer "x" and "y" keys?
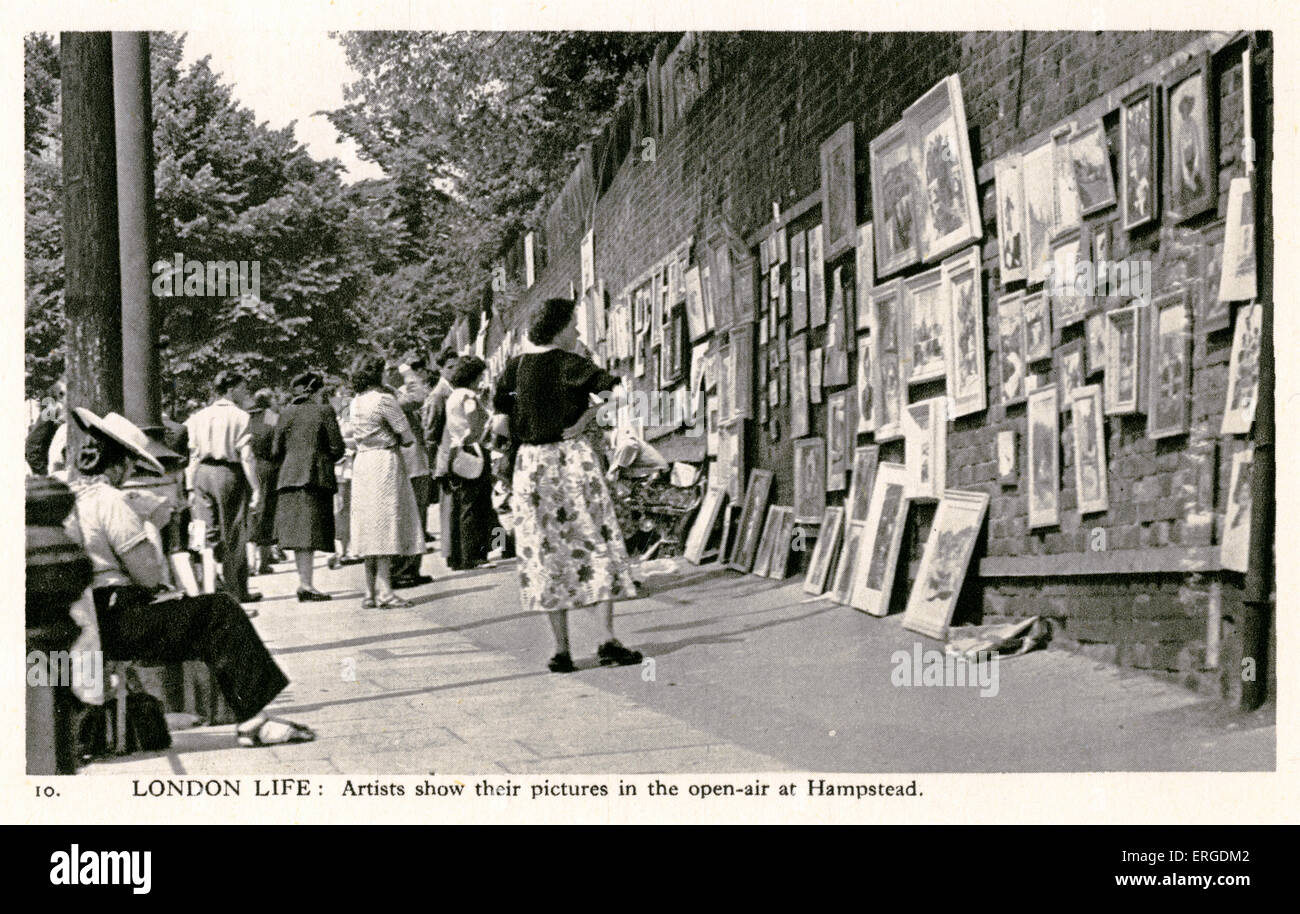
{"x": 221, "y": 501}
{"x": 408, "y": 566}
{"x": 474, "y": 520}
{"x": 210, "y": 627}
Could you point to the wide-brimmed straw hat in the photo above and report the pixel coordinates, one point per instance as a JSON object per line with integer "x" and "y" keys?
{"x": 121, "y": 430}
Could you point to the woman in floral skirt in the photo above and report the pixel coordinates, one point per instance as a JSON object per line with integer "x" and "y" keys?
{"x": 569, "y": 546}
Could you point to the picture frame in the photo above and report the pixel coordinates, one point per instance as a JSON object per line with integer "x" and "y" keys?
{"x": 767, "y": 542}
{"x": 828, "y": 538}
{"x": 1039, "y": 194}
{"x": 1065, "y": 194}
{"x": 864, "y": 272}
{"x": 779, "y": 566}
{"x": 949, "y": 208}
{"x": 963, "y": 284}
{"x": 865, "y": 404}
{"x": 839, "y": 191}
{"x": 877, "y": 561}
{"x": 1124, "y": 338}
{"x": 1139, "y": 174}
{"x": 925, "y": 353}
{"x": 816, "y": 278}
{"x": 1169, "y": 397}
{"x": 741, "y": 366}
{"x": 835, "y": 370}
{"x": 1090, "y": 160}
{"x": 1068, "y": 306}
{"x": 925, "y": 428}
{"x": 887, "y": 346}
{"x": 1044, "y": 458}
{"x": 945, "y": 562}
{"x": 799, "y": 425}
{"x": 809, "y": 480}
{"x": 1095, "y": 339}
{"x": 1070, "y": 373}
{"x": 840, "y": 425}
{"x": 798, "y": 282}
{"x": 815, "y": 361}
{"x": 1008, "y": 458}
{"x": 731, "y": 455}
{"x": 846, "y": 567}
{"x": 1037, "y": 319}
{"x": 743, "y": 280}
{"x": 755, "y": 504}
{"x": 895, "y": 199}
{"x": 1090, "y": 467}
{"x": 1215, "y": 313}
{"x": 706, "y": 521}
{"x": 697, "y": 324}
{"x": 1234, "y": 541}
{"x": 1190, "y": 140}
{"x": 1012, "y": 366}
{"x": 866, "y": 459}
{"x": 1237, "y": 270}
{"x": 1009, "y": 197}
{"x": 1243, "y": 371}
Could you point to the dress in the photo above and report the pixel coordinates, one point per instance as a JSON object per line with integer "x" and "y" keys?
{"x": 385, "y": 519}
{"x": 307, "y": 442}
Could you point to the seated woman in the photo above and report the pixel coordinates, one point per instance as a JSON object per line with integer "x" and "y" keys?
{"x": 128, "y": 574}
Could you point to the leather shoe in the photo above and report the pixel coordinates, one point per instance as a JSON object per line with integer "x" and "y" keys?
{"x": 312, "y": 596}
{"x": 251, "y": 597}
{"x": 415, "y": 580}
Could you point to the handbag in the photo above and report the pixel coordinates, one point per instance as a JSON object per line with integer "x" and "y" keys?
{"x": 467, "y": 462}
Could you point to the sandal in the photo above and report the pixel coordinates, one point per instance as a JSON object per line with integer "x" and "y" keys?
{"x": 292, "y": 733}
{"x": 611, "y": 653}
{"x": 561, "y": 663}
{"x": 394, "y": 602}
{"x": 368, "y": 603}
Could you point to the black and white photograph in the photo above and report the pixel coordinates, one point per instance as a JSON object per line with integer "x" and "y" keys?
{"x": 540, "y": 400}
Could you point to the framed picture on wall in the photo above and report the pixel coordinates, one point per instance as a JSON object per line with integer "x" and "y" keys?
{"x": 809, "y": 480}
{"x": 1237, "y": 273}
{"x": 799, "y": 386}
{"x": 965, "y": 306}
{"x": 839, "y": 198}
{"x": 815, "y": 362}
{"x": 1191, "y": 150}
{"x": 1169, "y": 399}
{"x": 1044, "y": 458}
{"x": 835, "y": 372}
{"x": 743, "y": 286}
{"x": 696, "y": 322}
{"x": 1011, "y": 348}
{"x": 840, "y": 427}
{"x": 1124, "y": 337}
{"x": 751, "y": 518}
{"x": 1070, "y": 372}
{"x": 1069, "y": 306}
{"x": 1234, "y": 543}
{"x": 1243, "y": 372}
{"x": 926, "y": 326}
{"x": 1065, "y": 195}
{"x": 816, "y": 278}
{"x": 1040, "y": 209}
{"x": 950, "y": 210}
{"x": 865, "y": 461}
{"x": 1009, "y": 195}
{"x": 933, "y": 597}
{"x": 1095, "y": 337}
{"x": 1089, "y": 450}
{"x": 798, "y": 281}
{"x": 1008, "y": 458}
{"x": 895, "y": 199}
{"x": 742, "y": 371}
{"x": 1038, "y": 326}
{"x": 828, "y": 538}
{"x": 862, "y": 384}
{"x": 925, "y": 427}
{"x": 1090, "y": 160}
{"x": 1139, "y": 184}
{"x": 873, "y": 574}
{"x": 864, "y": 272}
{"x": 887, "y": 359}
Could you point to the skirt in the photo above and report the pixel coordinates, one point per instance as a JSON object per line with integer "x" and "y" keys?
{"x": 304, "y": 519}
{"x": 569, "y": 546}
{"x": 385, "y": 519}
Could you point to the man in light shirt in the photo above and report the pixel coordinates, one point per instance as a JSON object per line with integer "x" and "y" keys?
{"x": 225, "y": 480}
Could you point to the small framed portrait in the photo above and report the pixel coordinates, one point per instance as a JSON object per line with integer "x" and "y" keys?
{"x": 751, "y": 518}
{"x": 840, "y": 435}
{"x": 949, "y": 208}
{"x": 1012, "y": 366}
{"x": 816, "y": 278}
{"x": 865, "y": 461}
{"x": 1044, "y": 458}
{"x": 925, "y": 427}
{"x": 1070, "y": 373}
{"x": 882, "y": 535}
{"x": 828, "y": 539}
{"x": 895, "y": 199}
{"x": 1139, "y": 183}
{"x": 1243, "y": 372}
{"x": 1008, "y": 458}
{"x": 799, "y": 386}
{"x": 839, "y": 197}
{"x": 1169, "y": 399}
{"x": 1090, "y": 160}
{"x": 1124, "y": 338}
{"x": 798, "y": 281}
{"x": 963, "y": 285}
{"x": 1095, "y": 336}
{"x": 862, "y": 384}
{"x": 887, "y": 359}
{"x": 1191, "y": 161}
{"x": 809, "y": 480}
{"x": 926, "y": 326}
{"x": 1089, "y": 449}
{"x": 933, "y": 598}
{"x": 864, "y": 272}
{"x": 1010, "y": 196}
{"x": 1039, "y": 181}
{"x": 1038, "y": 326}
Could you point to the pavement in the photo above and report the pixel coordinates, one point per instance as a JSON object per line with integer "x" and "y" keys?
{"x": 742, "y": 674}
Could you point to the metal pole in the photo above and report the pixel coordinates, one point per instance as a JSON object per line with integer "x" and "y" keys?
{"x": 133, "y": 111}
{"x": 92, "y": 287}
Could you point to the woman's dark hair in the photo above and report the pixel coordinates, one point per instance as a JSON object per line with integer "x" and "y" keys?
{"x": 367, "y": 372}
{"x": 466, "y": 371}
{"x": 263, "y": 398}
{"x": 98, "y": 454}
{"x": 549, "y": 318}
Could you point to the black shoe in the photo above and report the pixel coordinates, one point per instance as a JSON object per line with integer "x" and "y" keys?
{"x": 335, "y": 563}
{"x": 561, "y": 663}
{"x": 312, "y": 596}
{"x": 415, "y": 580}
{"x": 251, "y": 597}
{"x": 611, "y": 653}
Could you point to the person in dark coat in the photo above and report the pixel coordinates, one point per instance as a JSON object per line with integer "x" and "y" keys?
{"x": 261, "y": 423}
{"x": 307, "y": 443}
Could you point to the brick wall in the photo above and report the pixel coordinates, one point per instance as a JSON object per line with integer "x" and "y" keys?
{"x": 753, "y": 137}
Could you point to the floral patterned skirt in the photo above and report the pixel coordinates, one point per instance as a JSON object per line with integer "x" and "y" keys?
{"x": 570, "y": 549}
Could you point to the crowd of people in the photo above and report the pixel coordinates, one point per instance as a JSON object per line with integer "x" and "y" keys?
{"x": 510, "y": 466}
